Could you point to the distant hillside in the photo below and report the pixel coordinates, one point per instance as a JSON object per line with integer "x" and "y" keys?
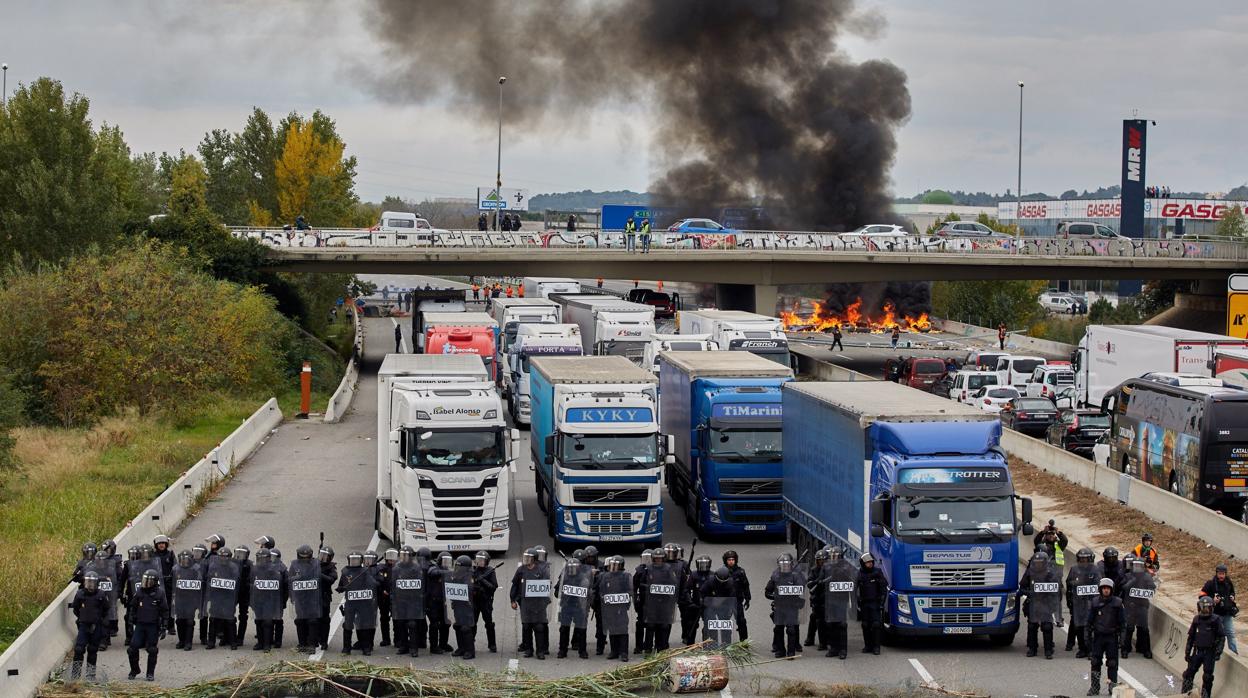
{"x": 586, "y": 199}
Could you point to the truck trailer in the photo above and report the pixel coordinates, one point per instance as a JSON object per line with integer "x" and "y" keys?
{"x": 735, "y": 330}
{"x": 443, "y": 451}
{"x": 919, "y": 482}
{"x": 597, "y": 450}
{"x": 533, "y": 341}
{"x": 509, "y": 313}
{"x": 543, "y": 286}
{"x": 432, "y": 300}
{"x": 463, "y": 333}
{"x": 723, "y": 411}
{"x": 1110, "y": 354}
{"x": 609, "y": 325}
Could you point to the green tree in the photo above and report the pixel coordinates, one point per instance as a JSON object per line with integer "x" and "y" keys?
{"x": 1232, "y": 223}
{"x": 1007, "y": 228}
{"x": 938, "y": 197}
{"x": 63, "y": 184}
{"x": 226, "y": 187}
{"x": 988, "y": 303}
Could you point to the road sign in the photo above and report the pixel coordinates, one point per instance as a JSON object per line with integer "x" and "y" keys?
{"x": 1237, "y": 314}
{"x": 491, "y": 198}
{"x": 1237, "y": 282}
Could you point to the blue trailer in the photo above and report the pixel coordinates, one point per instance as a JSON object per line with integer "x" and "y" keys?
{"x": 597, "y": 450}
{"x": 921, "y": 483}
{"x": 723, "y": 411}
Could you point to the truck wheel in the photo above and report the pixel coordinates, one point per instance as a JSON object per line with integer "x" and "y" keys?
{"x": 1001, "y": 639}
{"x": 541, "y": 495}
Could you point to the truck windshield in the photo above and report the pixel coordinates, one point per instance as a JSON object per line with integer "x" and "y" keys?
{"x": 747, "y": 445}
{"x": 454, "y": 449}
{"x": 609, "y": 451}
{"x": 632, "y": 350}
{"x": 947, "y": 517}
{"x": 781, "y": 357}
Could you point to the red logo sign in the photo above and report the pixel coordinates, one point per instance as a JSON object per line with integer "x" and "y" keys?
{"x": 1105, "y": 210}
{"x": 1196, "y": 211}
{"x": 1033, "y": 211}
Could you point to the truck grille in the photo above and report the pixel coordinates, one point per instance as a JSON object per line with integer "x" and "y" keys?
{"x": 744, "y": 487}
{"x": 610, "y": 528}
{"x": 957, "y": 575}
{"x": 751, "y": 512}
{"x": 609, "y": 516}
{"x": 609, "y": 495}
{"x": 957, "y": 602}
{"x": 956, "y": 618}
{"x": 488, "y": 483}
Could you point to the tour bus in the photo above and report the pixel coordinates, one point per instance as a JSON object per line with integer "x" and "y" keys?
{"x": 1183, "y": 432}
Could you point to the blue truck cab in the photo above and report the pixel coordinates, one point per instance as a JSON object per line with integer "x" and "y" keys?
{"x": 724, "y": 413}
{"x": 922, "y": 484}
{"x": 598, "y": 454}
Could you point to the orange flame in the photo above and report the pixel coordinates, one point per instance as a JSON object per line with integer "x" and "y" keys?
{"x": 853, "y": 320}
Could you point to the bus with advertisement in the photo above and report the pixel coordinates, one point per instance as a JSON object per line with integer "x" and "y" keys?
{"x": 1185, "y": 433}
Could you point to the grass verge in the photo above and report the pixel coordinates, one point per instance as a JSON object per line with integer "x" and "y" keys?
{"x": 76, "y": 485}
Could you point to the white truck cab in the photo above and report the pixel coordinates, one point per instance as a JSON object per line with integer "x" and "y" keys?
{"x": 536, "y": 340}
{"x": 660, "y": 343}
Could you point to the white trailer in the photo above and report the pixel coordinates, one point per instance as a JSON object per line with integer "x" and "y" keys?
{"x": 510, "y": 313}
{"x": 543, "y": 286}
{"x": 609, "y": 326}
{"x": 443, "y": 451}
{"x": 533, "y": 341}
{"x": 1110, "y": 354}
{"x": 736, "y": 330}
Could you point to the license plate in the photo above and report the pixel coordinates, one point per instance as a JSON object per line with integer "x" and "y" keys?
{"x": 958, "y": 630}
{"x": 611, "y": 537}
{"x": 756, "y": 527}
{"x": 457, "y": 546}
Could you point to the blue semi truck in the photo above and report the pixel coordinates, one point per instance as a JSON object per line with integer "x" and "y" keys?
{"x": 597, "y": 450}
{"x": 922, "y": 484}
{"x": 723, "y": 411}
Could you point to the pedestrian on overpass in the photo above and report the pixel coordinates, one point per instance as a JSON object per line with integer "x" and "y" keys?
{"x": 398, "y": 339}
{"x": 600, "y": 282}
{"x": 836, "y": 337}
{"x": 520, "y": 290}
{"x": 483, "y": 222}
{"x": 645, "y": 236}
{"x": 1001, "y": 334}
{"x": 630, "y": 240}
{"x": 571, "y": 223}
{"x": 510, "y": 291}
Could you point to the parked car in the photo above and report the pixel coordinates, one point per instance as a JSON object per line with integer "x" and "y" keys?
{"x": 969, "y": 229}
{"x": 991, "y": 398}
{"x": 916, "y": 371}
{"x": 984, "y": 360}
{"x": 1077, "y": 430}
{"x": 1029, "y": 415}
{"x": 1016, "y": 370}
{"x": 1100, "y": 450}
{"x": 965, "y": 384}
{"x": 1049, "y": 380}
{"x": 1061, "y": 303}
{"x": 1086, "y": 230}
{"x": 878, "y": 230}
{"x": 699, "y": 225}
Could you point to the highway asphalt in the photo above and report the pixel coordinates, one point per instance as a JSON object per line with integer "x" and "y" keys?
{"x": 313, "y": 477}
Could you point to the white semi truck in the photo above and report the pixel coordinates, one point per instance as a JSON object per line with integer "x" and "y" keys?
{"x": 543, "y": 286}
{"x": 660, "y": 343}
{"x": 533, "y": 341}
{"x": 609, "y": 326}
{"x": 735, "y": 330}
{"x": 443, "y": 451}
{"x": 510, "y": 313}
{"x": 1110, "y": 354}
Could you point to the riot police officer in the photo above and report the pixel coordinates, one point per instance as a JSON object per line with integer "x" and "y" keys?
{"x": 407, "y": 603}
{"x": 691, "y": 614}
{"x": 435, "y": 603}
{"x": 530, "y": 594}
{"x": 786, "y": 588}
{"x": 661, "y": 589}
{"x": 359, "y": 610}
{"x": 188, "y": 597}
{"x": 329, "y": 575}
{"x": 90, "y": 607}
{"x": 612, "y": 592}
{"x": 814, "y": 626}
{"x": 872, "y": 591}
{"x": 1205, "y": 638}
{"x": 303, "y": 588}
{"x": 1105, "y": 621}
{"x": 642, "y": 642}
{"x": 573, "y": 592}
{"x": 485, "y": 584}
{"x": 459, "y": 592}
{"x": 1041, "y": 584}
{"x": 1138, "y": 588}
{"x": 1081, "y": 582}
{"x": 242, "y": 555}
{"x": 148, "y": 612}
{"x": 162, "y": 553}
{"x": 741, "y": 583}
{"x": 382, "y": 571}
{"x": 221, "y": 582}
{"x": 596, "y": 566}
{"x": 837, "y": 589}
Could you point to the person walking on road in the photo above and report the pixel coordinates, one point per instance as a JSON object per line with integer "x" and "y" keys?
{"x": 398, "y": 339}
{"x": 1104, "y": 623}
{"x": 1001, "y": 334}
{"x": 149, "y": 611}
{"x": 1080, "y": 592}
{"x": 485, "y": 583}
{"x": 1041, "y": 584}
{"x": 645, "y": 236}
{"x": 787, "y": 591}
{"x": 872, "y": 599}
{"x": 1138, "y": 588}
{"x": 1205, "y": 639}
{"x": 1222, "y": 590}
{"x": 836, "y": 338}
{"x": 740, "y": 584}
{"x": 896, "y": 337}
{"x": 90, "y": 607}
{"x": 630, "y": 240}
{"x": 1053, "y": 542}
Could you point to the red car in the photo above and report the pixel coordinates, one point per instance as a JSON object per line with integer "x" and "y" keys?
{"x": 665, "y": 304}
{"x": 916, "y": 372}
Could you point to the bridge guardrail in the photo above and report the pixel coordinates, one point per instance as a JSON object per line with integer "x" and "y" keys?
{"x": 759, "y": 240}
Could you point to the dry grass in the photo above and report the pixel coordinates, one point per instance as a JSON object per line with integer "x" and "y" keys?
{"x": 1187, "y": 562}
{"x": 75, "y": 485}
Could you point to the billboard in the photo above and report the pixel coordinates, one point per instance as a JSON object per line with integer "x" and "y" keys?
{"x": 491, "y": 198}
{"x": 1085, "y": 209}
{"x": 1134, "y": 144}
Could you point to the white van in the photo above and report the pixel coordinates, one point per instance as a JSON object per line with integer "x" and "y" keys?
{"x": 1049, "y": 380}
{"x": 966, "y": 383}
{"x": 1017, "y": 370}
{"x": 402, "y": 229}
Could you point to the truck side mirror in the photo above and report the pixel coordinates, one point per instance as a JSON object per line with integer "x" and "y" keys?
{"x": 515, "y": 435}
{"x": 549, "y": 444}
{"x": 1026, "y": 510}
{"x": 877, "y": 531}
{"x": 879, "y": 511}
{"x": 669, "y": 459}
{"x": 398, "y": 450}
{"x": 669, "y": 443}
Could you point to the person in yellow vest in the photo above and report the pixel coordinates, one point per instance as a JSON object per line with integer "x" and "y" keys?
{"x": 630, "y": 235}
{"x": 1146, "y": 552}
{"x": 645, "y": 236}
{"x": 1053, "y": 542}
{"x": 476, "y": 292}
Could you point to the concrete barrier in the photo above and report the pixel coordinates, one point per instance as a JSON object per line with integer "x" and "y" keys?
{"x": 1015, "y": 342}
{"x": 1221, "y": 532}
{"x": 824, "y": 371}
{"x": 41, "y": 648}
{"x": 340, "y": 401}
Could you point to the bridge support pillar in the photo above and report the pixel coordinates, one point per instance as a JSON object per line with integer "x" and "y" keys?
{"x": 754, "y": 299}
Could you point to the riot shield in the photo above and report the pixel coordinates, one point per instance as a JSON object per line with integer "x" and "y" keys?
{"x": 615, "y": 595}
{"x": 719, "y": 620}
{"x": 660, "y": 605}
{"x": 266, "y": 591}
{"x": 1081, "y": 588}
{"x": 188, "y": 591}
{"x": 107, "y": 571}
{"x": 573, "y": 594}
{"x": 459, "y": 596}
{"x": 789, "y": 605}
{"x": 534, "y": 594}
{"x": 407, "y": 591}
{"x": 1138, "y": 597}
{"x": 304, "y": 581}
{"x": 221, "y": 596}
{"x": 840, "y": 597}
{"x": 1045, "y": 596}
{"x": 360, "y": 598}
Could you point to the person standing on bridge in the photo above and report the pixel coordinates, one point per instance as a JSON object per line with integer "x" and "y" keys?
{"x": 630, "y": 243}
{"x": 1001, "y": 334}
{"x": 510, "y": 291}
{"x": 571, "y": 222}
{"x": 645, "y": 236}
{"x": 520, "y": 290}
{"x": 600, "y": 282}
{"x": 476, "y": 292}
{"x": 836, "y": 337}
{"x": 483, "y": 222}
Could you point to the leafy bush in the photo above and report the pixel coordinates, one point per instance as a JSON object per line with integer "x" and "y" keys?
{"x": 135, "y": 328}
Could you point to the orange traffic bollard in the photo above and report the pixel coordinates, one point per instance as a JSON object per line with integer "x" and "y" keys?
{"x": 305, "y": 389}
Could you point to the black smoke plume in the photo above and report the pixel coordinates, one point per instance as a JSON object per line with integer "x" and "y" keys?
{"x": 906, "y": 297}
{"x": 752, "y": 101}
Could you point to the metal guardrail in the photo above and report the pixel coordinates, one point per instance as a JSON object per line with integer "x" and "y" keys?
{"x": 756, "y": 240}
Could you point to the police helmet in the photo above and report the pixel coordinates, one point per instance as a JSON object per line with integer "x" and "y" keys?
{"x": 591, "y": 554}
{"x": 88, "y": 551}
{"x": 406, "y": 553}
{"x": 355, "y": 559}
{"x": 102, "y": 555}
{"x": 615, "y": 563}
{"x": 1220, "y": 568}
{"x": 1204, "y": 606}
{"x": 1040, "y": 556}
{"x": 391, "y": 555}
{"x": 647, "y": 556}
{"x": 723, "y": 574}
{"x": 658, "y": 556}
{"x": 304, "y": 552}
{"x": 423, "y": 552}
{"x": 866, "y": 557}
{"x": 265, "y": 542}
{"x": 145, "y": 551}
{"x": 91, "y": 581}
{"x": 150, "y": 579}
{"x": 528, "y": 557}
{"x": 669, "y": 551}
{"x": 215, "y": 541}
{"x": 1137, "y": 565}
{"x": 836, "y": 553}
{"x": 199, "y": 551}
{"x": 184, "y": 558}
{"x": 785, "y": 562}
{"x": 225, "y": 552}
{"x": 703, "y": 563}
{"x": 276, "y": 555}
{"x": 1085, "y": 555}
{"x": 573, "y": 565}
{"x": 463, "y": 561}
{"x": 822, "y": 555}
{"x": 109, "y": 546}
{"x": 445, "y": 560}
{"x": 1111, "y": 553}
{"x": 679, "y": 551}
{"x": 159, "y": 540}
{"x": 540, "y": 552}
{"x": 326, "y": 554}
{"x": 481, "y": 559}
{"x": 132, "y": 553}
{"x": 1105, "y": 582}
{"x": 264, "y": 556}
{"x": 730, "y": 555}
{"x": 242, "y": 552}
{"x": 370, "y": 557}
{"x": 578, "y": 555}
{"x": 1147, "y": 537}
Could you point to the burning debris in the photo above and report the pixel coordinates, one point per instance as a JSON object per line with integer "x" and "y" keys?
{"x": 854, "y": 320}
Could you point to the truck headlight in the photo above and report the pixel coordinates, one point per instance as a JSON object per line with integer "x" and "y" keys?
{"x": 413, "y": 526}
{"x": 1010, "y": 602}
{"x": 567, "y": 518}
{"x": 490, "y": 414}
{"x": 421, "y": 414}
{"x": 903, "y": 604}
{"x": 499, "y": 525}
{"x": 713, "y": 507}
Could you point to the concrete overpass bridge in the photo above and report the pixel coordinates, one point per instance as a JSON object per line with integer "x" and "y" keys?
{"x": 749, "y": 268}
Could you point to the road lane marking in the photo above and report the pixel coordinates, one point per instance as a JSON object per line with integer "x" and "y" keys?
{"x": 519, "y": 510}
{"x": 924, "y": 674}
{"x": 336, "y": 623}
{"x": 1139, "y": 687}
{"x": 513, "y": 666}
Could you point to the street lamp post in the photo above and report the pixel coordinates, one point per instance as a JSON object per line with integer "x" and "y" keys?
{"x": 4, "y": 96}
{"x": 1018, "y": 194}
{"x": 498, "y": 177}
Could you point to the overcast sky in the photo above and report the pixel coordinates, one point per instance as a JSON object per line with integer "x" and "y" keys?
{"x": 168, "y": 72}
